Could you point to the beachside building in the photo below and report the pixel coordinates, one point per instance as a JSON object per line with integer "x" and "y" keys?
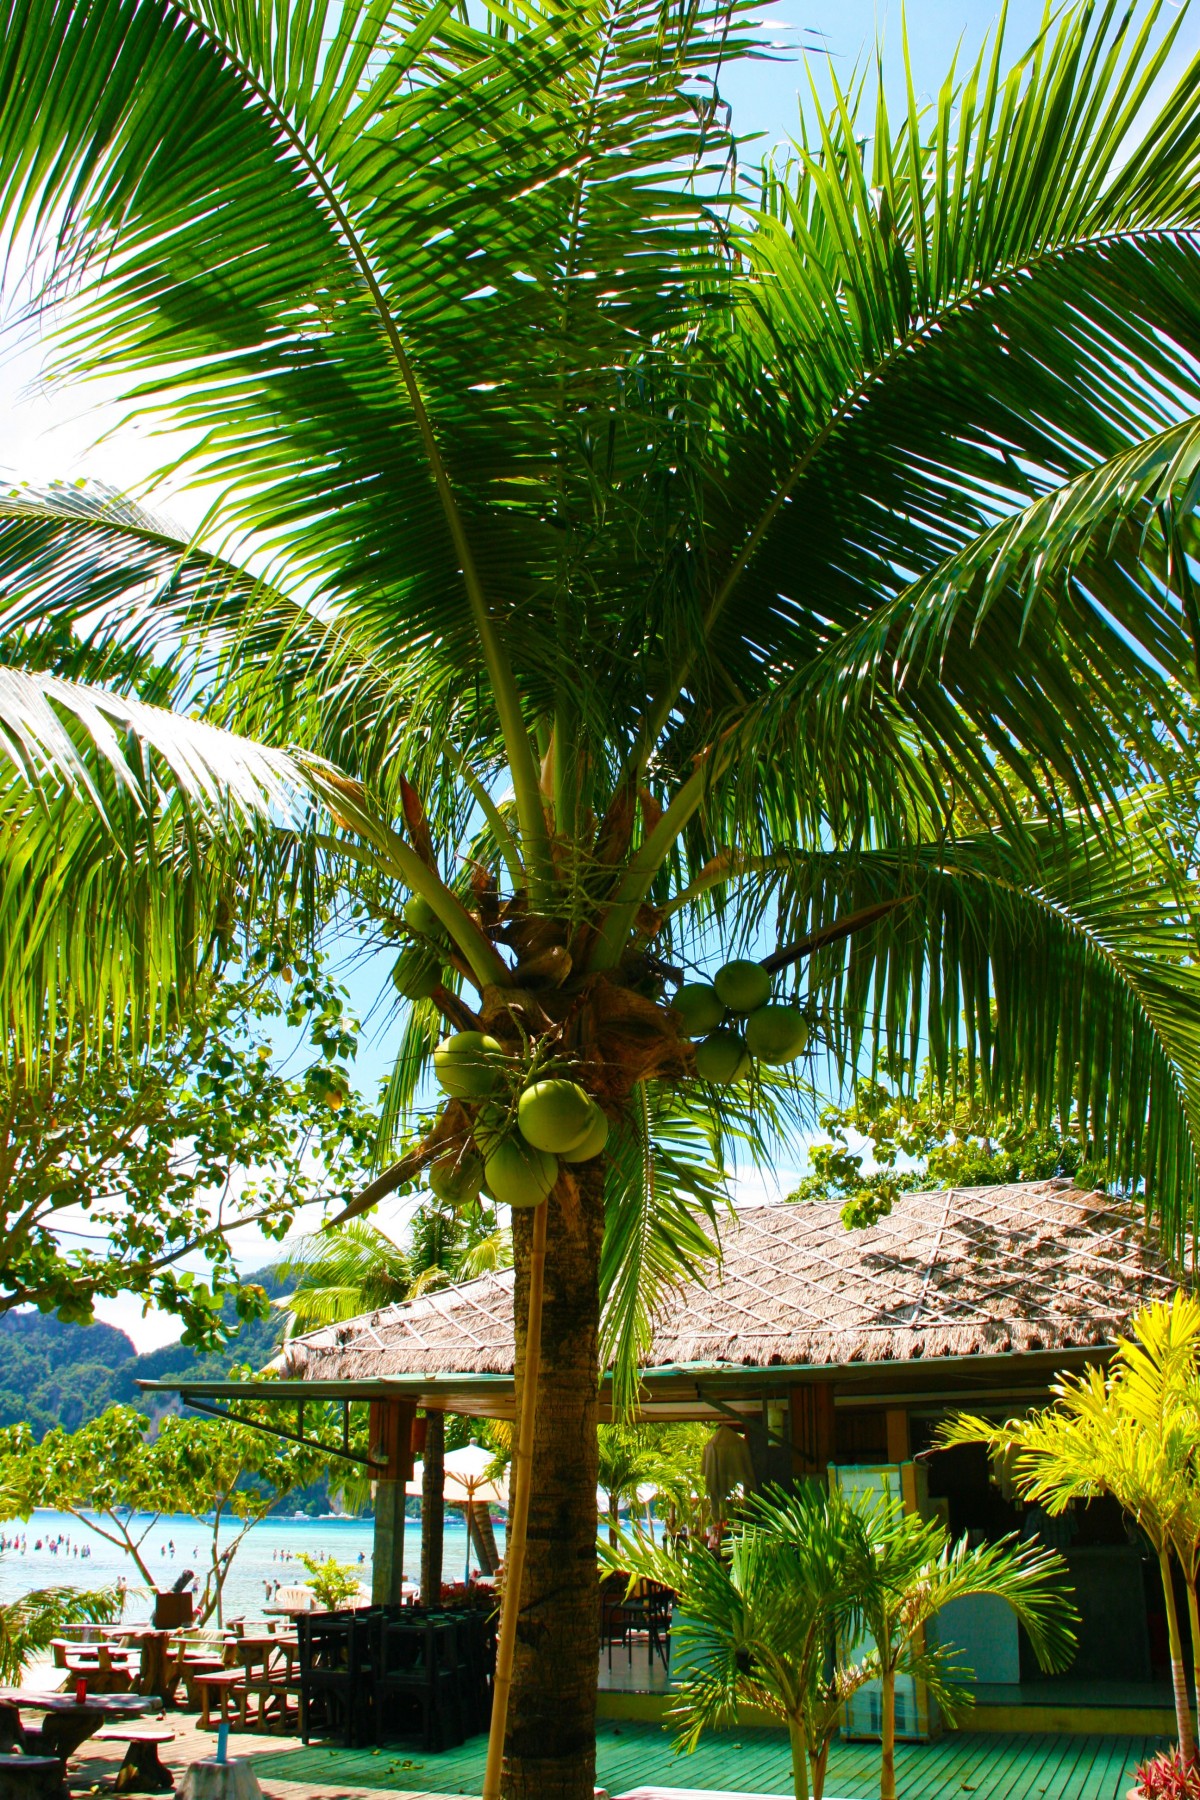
{"x": 837, "y": 1353}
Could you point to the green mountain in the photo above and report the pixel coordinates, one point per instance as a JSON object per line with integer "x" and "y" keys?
{"x": 52, "y": 1373}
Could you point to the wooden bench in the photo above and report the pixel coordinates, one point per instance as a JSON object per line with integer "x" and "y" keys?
{"x": 141, "y": 1772}
{"x": 30, "y": 1777}
{"x": 226, "y": 1686}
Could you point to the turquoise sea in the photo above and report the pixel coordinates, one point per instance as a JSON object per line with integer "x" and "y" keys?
{"x": 172, "y": 1543}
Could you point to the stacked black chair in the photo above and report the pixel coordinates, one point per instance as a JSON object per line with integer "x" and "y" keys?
{"x": 336, "y": 1676}
{"x": 417, "y": 1687}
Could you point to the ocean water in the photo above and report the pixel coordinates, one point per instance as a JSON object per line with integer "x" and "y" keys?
{"x": 269, "y": 1553}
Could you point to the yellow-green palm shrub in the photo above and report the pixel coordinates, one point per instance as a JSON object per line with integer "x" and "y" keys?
{"x": 1132, "y": 1432}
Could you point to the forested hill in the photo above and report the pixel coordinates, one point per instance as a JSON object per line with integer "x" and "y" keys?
{"x": 57, "y": 1374}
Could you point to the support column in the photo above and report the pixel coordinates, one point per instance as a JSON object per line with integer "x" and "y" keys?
{"x": 433, "y": 1508}
{"x": 391, "y": 1449}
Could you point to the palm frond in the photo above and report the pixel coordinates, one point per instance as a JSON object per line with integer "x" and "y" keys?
{"x": 1070, "y": 989}
{"x": 132, "y": 838}
{"x": 663, "y": 1194}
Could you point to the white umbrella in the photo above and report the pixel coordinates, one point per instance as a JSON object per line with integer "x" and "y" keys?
{"x": 466, "y": 1483}
{"x": 465, "y": 1478}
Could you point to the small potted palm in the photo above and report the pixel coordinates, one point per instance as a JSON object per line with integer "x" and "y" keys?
{"x": 334, "y": 1584}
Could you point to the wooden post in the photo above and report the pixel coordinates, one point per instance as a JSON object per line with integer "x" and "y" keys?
{"x": 898, "y": 1447}
{"x": 391, "y": 1448}
{"x": 518, "y": 1523}
{"x": 433, "y": 1508}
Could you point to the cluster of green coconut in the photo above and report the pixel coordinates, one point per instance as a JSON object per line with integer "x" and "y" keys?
{"x": 420, "y": 965}
{"x": 736, "y": 1020}
{"x": 518, "y": 1136}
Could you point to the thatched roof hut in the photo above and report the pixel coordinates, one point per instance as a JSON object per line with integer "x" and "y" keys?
{"x": 1036, "y": 1268}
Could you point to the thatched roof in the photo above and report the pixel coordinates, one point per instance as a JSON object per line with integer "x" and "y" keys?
{"x": 1036, "y": 1266}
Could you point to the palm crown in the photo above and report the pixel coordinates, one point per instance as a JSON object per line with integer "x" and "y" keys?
{"x": 621, "y": 543}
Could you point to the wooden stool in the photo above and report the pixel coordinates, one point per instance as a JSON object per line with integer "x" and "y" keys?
{"x": 141, "y": 1772}
{"x": 226, "y": 1684}
{"x": 30, "y": 1777}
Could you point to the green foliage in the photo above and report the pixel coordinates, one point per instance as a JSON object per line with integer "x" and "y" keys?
{"x": 165, "y": 1152}
{"x": 808, "y": 1574}
{"x": 761, "y": 1625}
{"x": 334, "y": 1583}
{"x": 945, "y": 1138}
{"x": 28, "y": 1625}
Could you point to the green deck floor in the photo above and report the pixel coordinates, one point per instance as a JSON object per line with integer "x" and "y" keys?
{"x": 1034, "y": 1766}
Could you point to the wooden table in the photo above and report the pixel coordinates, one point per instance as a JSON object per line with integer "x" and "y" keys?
{"x": 67, "y": 1722}
{"x": 258, "y": 1647}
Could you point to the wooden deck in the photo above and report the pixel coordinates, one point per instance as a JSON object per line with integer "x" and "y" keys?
{"x": 1034, "y": 1766}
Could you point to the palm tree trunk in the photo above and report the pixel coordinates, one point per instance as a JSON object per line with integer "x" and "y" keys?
{"x": 887, "y": 1772}
{"x": 527, "y": 1348}
{"x": 799, "y": 1759}
{"x": 614, "y": 1519}
{"x": 433, "y": 1508}
{"x": 819, "y": 1764}
{"x": 550, "y": 1750}
{"x": 485, "y": 1537}
{"x": 1193, "y": 1600}
{"x": 1183, "y": 1710}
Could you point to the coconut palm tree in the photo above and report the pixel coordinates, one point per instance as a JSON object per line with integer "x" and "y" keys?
{"x": 1131, "y": 1433}
{"x": 616, "y": 558}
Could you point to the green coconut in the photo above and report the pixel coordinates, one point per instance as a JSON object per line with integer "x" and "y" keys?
{"x": 420, "y": 915}
{"x": 492, "y": 1122}
{"x": 457, "y": 1179}
{"x": 742, "y": 986}
{"x": 470, "y": 1065}
{"x": 722, "y": 1057}
{"x": 554, "y": 1115}
{"x": 517, "y": 1174}
{"x": 593, "y": 1140}
{"x": 777, "y": 1034}
{"x": 417, "y": 972}
{"x": 699, "y": 1008}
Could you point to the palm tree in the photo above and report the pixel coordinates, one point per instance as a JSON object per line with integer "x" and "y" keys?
{"x": 1130, "y": 1433}
{"x": 759, "y": 1624}
{"x": 33, "y": 1621}
{"x": 1157, "y": 1384}
{"x": 907, "y": 1570}
{"x": 634, "y": 551}
{"x": 628, "y": 1458}
{"x": 338, "y": 1275}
